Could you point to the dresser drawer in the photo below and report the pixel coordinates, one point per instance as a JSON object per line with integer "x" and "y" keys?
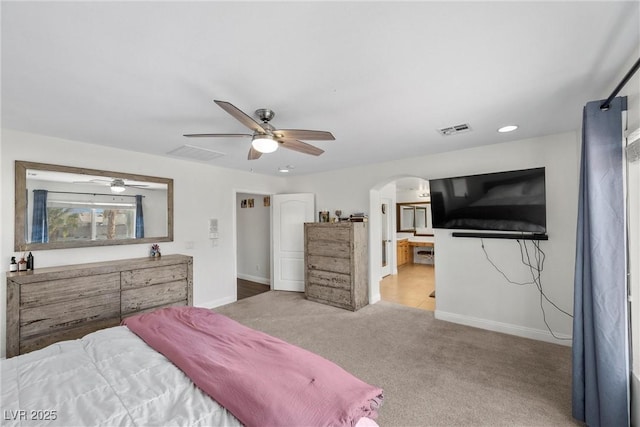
{"x": 150, "y": 309}
{"x": 68, "y": 314}
{"x": 36, "y": 342}
{"x": 52, "y": 291}
{"x": 151, "y": 276}
{"x": 139, "y": 299}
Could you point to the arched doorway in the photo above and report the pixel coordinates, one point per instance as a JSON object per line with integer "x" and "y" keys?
{"x": 402, "y": 267}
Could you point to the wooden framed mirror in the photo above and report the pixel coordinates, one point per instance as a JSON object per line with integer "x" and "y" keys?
{"x": 414, "y": 217}
{"x": 60, "y": 207}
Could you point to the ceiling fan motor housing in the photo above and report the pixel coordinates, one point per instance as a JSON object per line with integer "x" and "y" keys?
{"x": 265, "y": 114}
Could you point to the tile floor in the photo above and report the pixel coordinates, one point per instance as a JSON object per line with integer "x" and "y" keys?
{"x": 411, "y": 286}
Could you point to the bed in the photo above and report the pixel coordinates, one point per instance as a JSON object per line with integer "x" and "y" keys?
{"x": 126, "y": 375}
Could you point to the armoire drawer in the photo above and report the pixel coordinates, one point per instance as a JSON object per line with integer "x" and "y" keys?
{"x": 326, "y": 263}
{"x": 341, "y": 297}
{"x": 329, "y": 279}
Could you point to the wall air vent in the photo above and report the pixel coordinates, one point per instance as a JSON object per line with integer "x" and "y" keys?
{"x": 454, "y": 130}
{"x": 195, "y": 153}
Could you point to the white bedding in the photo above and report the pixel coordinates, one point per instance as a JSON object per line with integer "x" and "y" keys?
{"x": 108, "y": 378}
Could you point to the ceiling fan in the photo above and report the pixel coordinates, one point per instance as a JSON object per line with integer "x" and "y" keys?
{"x": 266, "y": 138}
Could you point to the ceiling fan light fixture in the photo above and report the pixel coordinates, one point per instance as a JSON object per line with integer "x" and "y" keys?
{"x": 264, "y": 143}
{"x": 117, "y": 186}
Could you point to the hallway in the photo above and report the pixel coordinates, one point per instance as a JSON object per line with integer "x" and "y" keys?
{"x": 411, "y": 286}
{"x": 246, "y": 288}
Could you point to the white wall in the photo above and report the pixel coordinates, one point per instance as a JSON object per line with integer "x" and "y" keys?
{"x": 253, "y": 239}
{"x": 200, "y": 192}
{"x": 469, "y": 290}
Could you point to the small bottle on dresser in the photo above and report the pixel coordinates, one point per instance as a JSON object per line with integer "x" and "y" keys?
{"x": 22, "y": 265}
{"x": 13, "y": 265}
{"x": 29, "y": 261}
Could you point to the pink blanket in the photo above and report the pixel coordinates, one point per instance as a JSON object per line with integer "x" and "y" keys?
{"x": 260, "y": 379}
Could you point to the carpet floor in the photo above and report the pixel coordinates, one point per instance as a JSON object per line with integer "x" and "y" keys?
{"x": 434, "y": 373}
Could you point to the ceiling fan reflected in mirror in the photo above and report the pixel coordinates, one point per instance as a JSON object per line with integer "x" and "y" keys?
{"x": 117, "y": 185}
{"x": 266, "y": 138}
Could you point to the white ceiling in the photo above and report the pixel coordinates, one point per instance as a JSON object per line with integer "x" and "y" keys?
{"x": 381, "y": 76}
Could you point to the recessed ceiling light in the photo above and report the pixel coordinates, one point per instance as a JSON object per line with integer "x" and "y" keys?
{"x": 285, "y": 169}
{"x": 509, "y": 128}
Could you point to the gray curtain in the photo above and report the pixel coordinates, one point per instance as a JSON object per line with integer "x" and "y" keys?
{"x": 600, "y": 324}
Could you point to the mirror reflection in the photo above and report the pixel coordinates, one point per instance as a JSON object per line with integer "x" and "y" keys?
{"x": 407, "y": 218}
{"x": 65, "y": 207}
{"x": 414, "y": 217}
{"x": 420, "y": 217}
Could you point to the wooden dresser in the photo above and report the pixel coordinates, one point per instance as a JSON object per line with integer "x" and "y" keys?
{"x": 67, "y": 302}
{"x": 336, "y": 264}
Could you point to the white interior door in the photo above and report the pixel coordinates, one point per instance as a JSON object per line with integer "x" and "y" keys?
{"x": 290, "y": 212}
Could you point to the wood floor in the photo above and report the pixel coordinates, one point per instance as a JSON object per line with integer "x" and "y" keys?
{"x": 248, "y": 289}
{"x": 411, "y": 286}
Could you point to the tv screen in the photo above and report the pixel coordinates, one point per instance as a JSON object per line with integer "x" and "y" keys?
{"x": 502, "y": 201}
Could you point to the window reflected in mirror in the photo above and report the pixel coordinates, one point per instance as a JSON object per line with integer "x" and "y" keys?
{"x": 421, "y": 217}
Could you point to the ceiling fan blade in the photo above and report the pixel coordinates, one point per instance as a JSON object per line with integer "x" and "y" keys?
{"x": 215, "y": 135}
{"x": 302, "y": 147}
{"x": 312, "y": 135}
{"x": 240, "y": 116}
{"x": 253, "y": 154}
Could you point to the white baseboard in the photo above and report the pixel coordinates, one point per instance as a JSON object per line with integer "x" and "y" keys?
{"x": 506, "y": 328}
{"x": 256, "y": 279}
{"x": 375, "y": 298}
{"x": 217, "y": 302}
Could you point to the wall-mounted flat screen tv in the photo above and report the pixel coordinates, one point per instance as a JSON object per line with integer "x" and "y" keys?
{"x": 501, "y": 201}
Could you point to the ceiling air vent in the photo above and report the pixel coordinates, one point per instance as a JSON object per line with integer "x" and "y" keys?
{"x": 454, "y": 130}
{"x": 195, "y": 153}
